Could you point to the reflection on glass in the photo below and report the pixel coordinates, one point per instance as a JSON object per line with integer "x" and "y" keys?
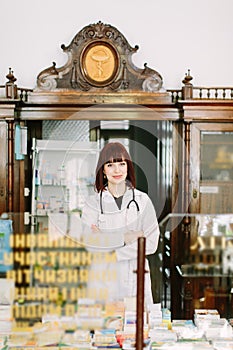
{"x": 114, "y": 125}
{"x": 216, "y": 172}
{"x": 217, "y": 156}
{"x": 205, "y": 271}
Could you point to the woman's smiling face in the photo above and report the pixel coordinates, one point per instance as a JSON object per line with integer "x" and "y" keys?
{"x": 116, "y": 172}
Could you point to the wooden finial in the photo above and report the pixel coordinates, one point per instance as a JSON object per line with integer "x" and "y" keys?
{"x": 10, "y": 76}
{"x": 11, "y": 87}
{"x": 187, "y": 78}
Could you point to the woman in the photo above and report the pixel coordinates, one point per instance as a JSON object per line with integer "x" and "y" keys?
{"x": 120, "y": 210}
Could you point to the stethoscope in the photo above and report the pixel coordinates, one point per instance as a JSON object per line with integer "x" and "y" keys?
{"x": 133, "y": 200}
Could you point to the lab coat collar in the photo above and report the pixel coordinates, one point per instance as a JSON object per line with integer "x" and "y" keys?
{"x": 109, "y": 203}
{"x": 107, "y": 193}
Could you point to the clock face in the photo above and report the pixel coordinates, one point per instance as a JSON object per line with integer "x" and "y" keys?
{"x": 99, "y": 63}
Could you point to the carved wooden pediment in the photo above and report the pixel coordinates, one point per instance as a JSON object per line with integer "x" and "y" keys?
{"x": 99, "y": 59}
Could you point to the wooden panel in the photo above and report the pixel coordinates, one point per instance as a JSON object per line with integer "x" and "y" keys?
{"x": 219, "y": 111}
{"x": 219, "y": 201}
{"x": 112, "y": 110}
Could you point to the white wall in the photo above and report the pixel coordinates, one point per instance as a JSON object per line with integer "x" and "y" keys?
{"x": 173, "y": 36}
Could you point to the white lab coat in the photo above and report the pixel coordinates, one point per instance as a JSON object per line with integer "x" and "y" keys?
{"x": 114, "y": 221}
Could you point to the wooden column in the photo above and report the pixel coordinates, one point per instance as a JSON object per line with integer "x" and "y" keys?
{"x": 140, "y": 292}
{"x": 187, "y": 167}
{"x": 186, "y": 208}
{"x": 10, "y": 167}
{"x": 3, "y": 162}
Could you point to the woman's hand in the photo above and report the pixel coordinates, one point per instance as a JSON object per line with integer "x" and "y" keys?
{"x": 131, "y": 236}
{"x": 95, "y": 228}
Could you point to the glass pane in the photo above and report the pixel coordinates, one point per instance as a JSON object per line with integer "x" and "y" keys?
{"x": 204, "y": 273}
{"x": 217, "y": 156}
{"x": 216, "y": 172}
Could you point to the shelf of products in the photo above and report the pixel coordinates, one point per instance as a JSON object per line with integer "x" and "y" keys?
{"x": 51, "y": 270}
{"x": 63, "y": 175}
{"x": 113, "y": 327}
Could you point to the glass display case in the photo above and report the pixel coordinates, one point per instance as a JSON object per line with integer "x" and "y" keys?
{"x": 54, "y": 263}
{"x": 200, "y": 251}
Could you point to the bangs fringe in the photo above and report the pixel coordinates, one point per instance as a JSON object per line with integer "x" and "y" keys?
{"x": 116, "y": 160}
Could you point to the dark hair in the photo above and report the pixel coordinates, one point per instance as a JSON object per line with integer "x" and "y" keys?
{"x": 113, "y": 152}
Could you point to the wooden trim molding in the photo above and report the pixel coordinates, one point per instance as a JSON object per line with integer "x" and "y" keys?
{"x": 99, "y": 57}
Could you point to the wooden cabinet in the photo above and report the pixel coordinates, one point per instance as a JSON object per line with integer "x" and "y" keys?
{"x": 200, "y": 276}
{"x": 189, "y": 138}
